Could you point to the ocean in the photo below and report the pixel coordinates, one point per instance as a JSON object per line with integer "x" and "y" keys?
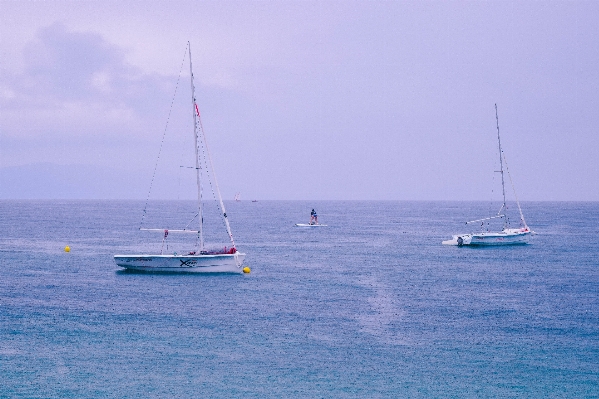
{"x": 372, "y": 306}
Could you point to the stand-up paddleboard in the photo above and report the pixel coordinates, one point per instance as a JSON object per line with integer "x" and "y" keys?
{"x": 310, "y": 225}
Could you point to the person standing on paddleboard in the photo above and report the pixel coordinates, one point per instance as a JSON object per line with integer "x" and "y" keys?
{"x": 313, "y": 217}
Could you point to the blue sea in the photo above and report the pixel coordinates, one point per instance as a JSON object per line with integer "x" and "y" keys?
{"x": 372, "y": 306}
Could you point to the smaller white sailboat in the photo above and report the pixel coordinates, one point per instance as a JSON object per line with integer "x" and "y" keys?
{"x": 507, "y": 236}
{"x": 200, "y": 259}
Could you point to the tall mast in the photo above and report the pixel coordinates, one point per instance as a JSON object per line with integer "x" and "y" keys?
{"x": 197, "y": 151}
{"x": 501, "y": 168}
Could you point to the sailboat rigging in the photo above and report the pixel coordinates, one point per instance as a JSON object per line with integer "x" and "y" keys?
{"x": 507, "y": 236}
{"x": 200, "y": 260}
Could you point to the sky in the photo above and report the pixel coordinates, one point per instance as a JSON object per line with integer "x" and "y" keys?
{"x": 318, "y": 100}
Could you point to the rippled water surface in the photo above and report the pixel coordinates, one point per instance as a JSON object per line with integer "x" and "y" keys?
{"x": 371, "y": 306}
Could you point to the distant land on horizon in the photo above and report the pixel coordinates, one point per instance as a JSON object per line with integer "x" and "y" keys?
{"x": 53, "y": 181}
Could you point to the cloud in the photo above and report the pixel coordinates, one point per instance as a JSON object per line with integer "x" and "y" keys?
{"x": 75, "y": 83}
{"x": 64, "y": 63}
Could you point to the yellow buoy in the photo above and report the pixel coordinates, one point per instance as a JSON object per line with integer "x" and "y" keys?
{"x": 67, "y": 249}
{"x": 246, "y": 269}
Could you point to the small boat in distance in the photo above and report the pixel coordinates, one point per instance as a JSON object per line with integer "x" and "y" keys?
{"x": 200, "y": 259}
{"x": 507, "y": 236}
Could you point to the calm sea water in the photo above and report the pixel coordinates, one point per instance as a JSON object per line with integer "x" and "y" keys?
{"x": 371, "y": 306}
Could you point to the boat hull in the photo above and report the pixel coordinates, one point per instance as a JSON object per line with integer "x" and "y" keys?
{"x": 219, "y": 263}
{"x": 505, "y": 237}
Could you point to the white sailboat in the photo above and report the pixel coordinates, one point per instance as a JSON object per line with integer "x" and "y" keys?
{"x": 507, "y": 236}
{"x": 199, "y": 260}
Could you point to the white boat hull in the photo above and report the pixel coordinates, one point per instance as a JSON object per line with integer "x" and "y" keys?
{"x": 505, "y": 237}
{"x": 219, "y": 263}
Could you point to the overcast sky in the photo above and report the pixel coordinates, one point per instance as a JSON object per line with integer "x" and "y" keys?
{"x": 308, "y": 100}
